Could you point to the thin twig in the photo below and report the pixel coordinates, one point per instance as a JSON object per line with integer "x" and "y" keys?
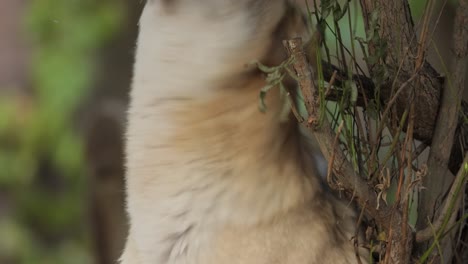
{"x": 332, "y": 158}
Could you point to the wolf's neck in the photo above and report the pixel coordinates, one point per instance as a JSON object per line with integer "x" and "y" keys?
{"x": 223, "y": 153}
{"x": 214, "y": 162}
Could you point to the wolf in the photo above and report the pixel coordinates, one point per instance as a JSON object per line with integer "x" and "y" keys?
{"x": 210, "y": 178}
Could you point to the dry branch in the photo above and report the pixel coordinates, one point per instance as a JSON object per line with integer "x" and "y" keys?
{"x": 346, "y": 177}
{"x": 396, "y": 30}
{"x": 366, "y": 90}
{"x": 438, "y": 101}
{"x": 446, "y": 125}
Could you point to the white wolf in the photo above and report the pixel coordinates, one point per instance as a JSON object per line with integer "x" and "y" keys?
{"x": 210, "y": 178}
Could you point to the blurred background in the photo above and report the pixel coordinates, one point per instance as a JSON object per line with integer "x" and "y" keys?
{"x": 65, "y": 69}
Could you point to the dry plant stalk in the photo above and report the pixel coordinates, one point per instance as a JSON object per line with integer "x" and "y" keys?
{"x": 415, "y": 90}
{"x": 348, "y": 180}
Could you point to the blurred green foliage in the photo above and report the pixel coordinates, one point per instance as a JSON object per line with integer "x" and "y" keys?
{"x": 43, "y": 203}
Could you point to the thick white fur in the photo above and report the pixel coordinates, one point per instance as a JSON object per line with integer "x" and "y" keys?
{"x": 211, "y": 179}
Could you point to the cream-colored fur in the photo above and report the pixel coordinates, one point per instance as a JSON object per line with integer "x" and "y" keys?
{"x": 210, "y": 179}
